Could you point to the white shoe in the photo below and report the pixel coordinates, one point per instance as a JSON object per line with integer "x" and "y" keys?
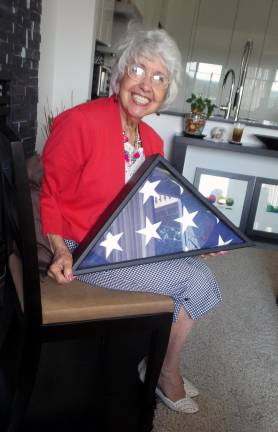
{"x": 189, "y": 388}
{"x": 185, "y": 405}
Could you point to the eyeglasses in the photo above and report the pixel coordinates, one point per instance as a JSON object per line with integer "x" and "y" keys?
{"x": 137, "y": 73}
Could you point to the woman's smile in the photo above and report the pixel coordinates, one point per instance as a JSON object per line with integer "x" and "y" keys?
{"x": 141, "y": 100}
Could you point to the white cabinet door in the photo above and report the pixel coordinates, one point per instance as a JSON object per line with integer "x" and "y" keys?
{"x": 265, "y": 95}
{"x": 104, "y": 20}
{"x": 140, "y": 5}
{"x": 178, "y": 19}
{"x": 254, "y": 22}
{"x": 203, "y": 31}
{"x": 152, "y": 13}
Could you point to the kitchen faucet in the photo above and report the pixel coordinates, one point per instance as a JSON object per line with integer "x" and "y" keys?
{"x": 227, "y": 108}
{"x": 248, "y": 47}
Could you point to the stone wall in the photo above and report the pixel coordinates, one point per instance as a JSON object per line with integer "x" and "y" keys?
{"x": 19, "y": 58}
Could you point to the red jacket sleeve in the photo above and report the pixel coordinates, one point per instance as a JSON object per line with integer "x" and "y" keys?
{"x": 63, "y": 158}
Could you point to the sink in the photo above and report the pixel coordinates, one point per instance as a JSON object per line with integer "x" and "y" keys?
{"x": 248, "y": 120}
{"x": 219, "y": 117}
{"x": 271, "y": 142}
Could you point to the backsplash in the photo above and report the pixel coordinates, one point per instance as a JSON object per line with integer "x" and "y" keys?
{"x": 211, "y": 35}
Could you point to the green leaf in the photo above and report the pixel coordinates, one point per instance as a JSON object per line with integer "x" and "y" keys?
{"x": 200, "y": 105}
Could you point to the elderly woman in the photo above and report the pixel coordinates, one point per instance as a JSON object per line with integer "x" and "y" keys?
{"x": 93, "y": 149}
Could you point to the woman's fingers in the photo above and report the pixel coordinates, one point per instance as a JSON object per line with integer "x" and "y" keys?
{"x": 58, "y": 276}
{"x": 220, "y": 253}
{"x": 61, "y": 267}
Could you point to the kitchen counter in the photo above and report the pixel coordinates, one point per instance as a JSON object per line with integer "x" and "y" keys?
{"x": 171, "y": 127}
{"x": 248, "y": 122}
{"x": 181, "y": 144}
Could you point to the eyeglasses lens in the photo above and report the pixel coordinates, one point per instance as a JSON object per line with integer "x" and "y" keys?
{"x": 137, "y": 73}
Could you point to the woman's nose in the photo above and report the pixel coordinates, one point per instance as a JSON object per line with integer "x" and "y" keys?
{"x": 146, "y": 84}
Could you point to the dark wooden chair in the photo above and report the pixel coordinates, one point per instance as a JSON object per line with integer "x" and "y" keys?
{"x": 82, "y": 338}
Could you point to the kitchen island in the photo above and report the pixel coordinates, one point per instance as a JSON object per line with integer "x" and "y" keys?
{"x": 241, "y": 180}
{"x": 192, "y": 153}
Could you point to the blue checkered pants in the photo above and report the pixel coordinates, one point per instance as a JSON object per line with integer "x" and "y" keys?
{"x": 189, "y": 281}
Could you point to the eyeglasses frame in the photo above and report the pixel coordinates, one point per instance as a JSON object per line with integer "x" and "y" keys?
{"x": 145, "y": 75}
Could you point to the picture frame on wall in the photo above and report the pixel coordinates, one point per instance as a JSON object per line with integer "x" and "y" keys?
{"x": 230, "y": 193}
{"x": 263, "y": 218}
{"x": 158, "y": 215}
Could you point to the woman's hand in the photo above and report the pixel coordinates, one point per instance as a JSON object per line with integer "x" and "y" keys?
{"x": 61, "y": 266}
{"x": 220, "y": 253}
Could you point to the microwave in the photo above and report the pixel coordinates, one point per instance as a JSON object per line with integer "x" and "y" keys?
{"x": 101, "y": 81}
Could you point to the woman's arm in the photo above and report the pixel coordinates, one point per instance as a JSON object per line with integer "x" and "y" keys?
{"x": 61, "y": 266}
{"x": 62, "y": 158}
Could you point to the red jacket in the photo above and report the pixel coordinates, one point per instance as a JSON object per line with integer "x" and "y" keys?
{"x": 83, "y": 162}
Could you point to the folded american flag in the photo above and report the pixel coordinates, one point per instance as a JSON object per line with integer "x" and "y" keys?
{"x": 164, "y": 217}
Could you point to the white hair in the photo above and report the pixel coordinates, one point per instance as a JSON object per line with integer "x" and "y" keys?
{"x": 150, "y": 43}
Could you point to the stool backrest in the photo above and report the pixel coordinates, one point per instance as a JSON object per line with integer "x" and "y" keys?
{"x": 20, "y": 231}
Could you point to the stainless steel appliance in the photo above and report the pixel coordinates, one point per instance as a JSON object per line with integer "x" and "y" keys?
{"x": 101, "y": 81}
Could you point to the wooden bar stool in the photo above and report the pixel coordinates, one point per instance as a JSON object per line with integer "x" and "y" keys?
{"x": 51, "y": 315}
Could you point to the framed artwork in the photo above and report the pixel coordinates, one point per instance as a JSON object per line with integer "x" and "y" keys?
{"x": 158, "y": 215}
{"x": 229, "y": 192}
{"x": 263, "y": 218}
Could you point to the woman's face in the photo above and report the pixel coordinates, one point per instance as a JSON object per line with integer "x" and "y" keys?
{"x": 140, "y": 95}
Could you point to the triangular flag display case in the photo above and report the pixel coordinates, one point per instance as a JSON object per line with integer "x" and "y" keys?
{"x": 158, "y": 215}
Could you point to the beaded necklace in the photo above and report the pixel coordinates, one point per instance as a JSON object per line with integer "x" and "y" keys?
{"x": 131, "y": 153}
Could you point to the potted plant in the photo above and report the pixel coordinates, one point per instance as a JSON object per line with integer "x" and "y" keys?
{"x": 201, "y": 110}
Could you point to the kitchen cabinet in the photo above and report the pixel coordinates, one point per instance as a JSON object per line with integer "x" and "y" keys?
{"x": 178, "y": 18}
{"x": 145, "y": 12}
{"x": 140, "y": 4}
{"x": 261, "y": 96}
{"x": 211, "y": 48}
{"x": 257, "y": 29}
{"x": 127, "y": 11}
{"x": 211, "y": 35}
{"x": 104, "y": 21}
{"x": 202, "y": 30}
{"x": 152, "y": 13}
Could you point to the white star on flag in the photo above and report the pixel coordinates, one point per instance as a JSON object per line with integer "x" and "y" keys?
{"x": 187, "y": 219}
{"x": 150, "y": 231}
{"x": 149, "y": 190}
{"x": 110, "y": 243}
{"x": 221, "y": 242}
